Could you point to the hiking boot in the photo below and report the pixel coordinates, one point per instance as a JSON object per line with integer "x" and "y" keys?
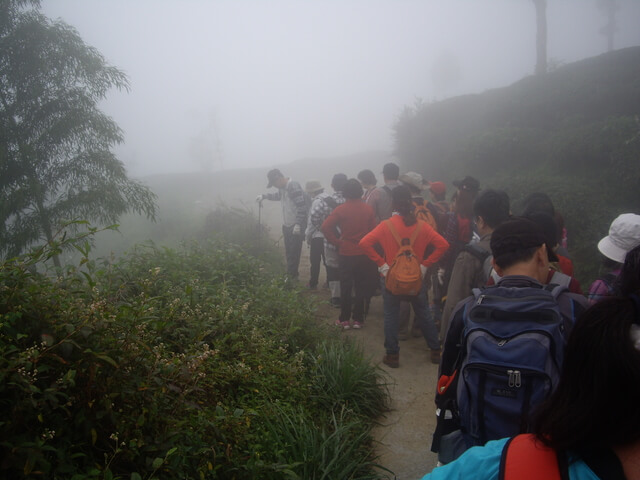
{"x": 392, "y": 360}
{"x": 357, "y": 325}
{"x": 343, "y": 325}
{"x": 435, "y": 356}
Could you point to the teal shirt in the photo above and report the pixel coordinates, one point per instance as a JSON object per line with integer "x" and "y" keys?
{"x": 483, "y": 463}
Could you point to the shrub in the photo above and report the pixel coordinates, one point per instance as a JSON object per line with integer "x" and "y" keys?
{"x": 164, "y": 364}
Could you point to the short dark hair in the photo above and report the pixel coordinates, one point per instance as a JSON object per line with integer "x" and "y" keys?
{"x": 537, "y": 202}
{"x": 515, "y": 240}
{"x": 338, "y": 181}
{"x": 367, "y": 176}
{"x": 601, "y": 360}
{"x": 391, "y": 171}
{"x": 492, "y": 206}
{"x": 352, "y": 189}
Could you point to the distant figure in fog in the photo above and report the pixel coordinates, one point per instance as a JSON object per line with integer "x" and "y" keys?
{"x": 313, "y": 235}
{"x": 344, "y": 227}
{"x": 319, "y": 212}
{"x": 294, "y": 216}
{"x": 380, "y": 197}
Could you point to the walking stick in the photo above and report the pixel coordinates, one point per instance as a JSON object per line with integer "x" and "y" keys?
{"x": 259, "y": 218}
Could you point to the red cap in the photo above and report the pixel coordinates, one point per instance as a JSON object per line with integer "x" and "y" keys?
{"x": 438, "y": 188}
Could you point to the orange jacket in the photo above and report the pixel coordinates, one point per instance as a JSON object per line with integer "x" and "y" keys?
{"x": 381, "y": 235}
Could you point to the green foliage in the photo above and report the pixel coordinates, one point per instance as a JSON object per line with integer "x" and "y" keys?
{"x": 173, "y": 364}
{"x": 56, "y": 162}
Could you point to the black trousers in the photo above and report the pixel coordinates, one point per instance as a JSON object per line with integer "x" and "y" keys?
{"x": 355, "y": 272}
{"x": 292, "y": 250}
{"x": 316, "y": 258}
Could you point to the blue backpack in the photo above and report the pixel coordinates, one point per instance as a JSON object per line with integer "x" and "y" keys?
{"x": 512, "y": 350}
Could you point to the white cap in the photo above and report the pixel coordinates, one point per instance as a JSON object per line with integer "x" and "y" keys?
{"x": 624, "y": 235}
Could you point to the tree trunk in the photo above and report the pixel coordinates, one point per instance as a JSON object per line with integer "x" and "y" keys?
{"x": 541, "y": 36}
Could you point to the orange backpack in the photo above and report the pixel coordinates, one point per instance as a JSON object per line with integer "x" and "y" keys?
{"x": 423, "y": 213}
{"x": 404, "y": 276}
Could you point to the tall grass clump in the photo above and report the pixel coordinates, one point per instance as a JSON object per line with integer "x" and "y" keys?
{"x": 165, "y": 363}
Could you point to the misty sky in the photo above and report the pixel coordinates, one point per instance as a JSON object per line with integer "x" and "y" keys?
{"x": 264, "y": 82}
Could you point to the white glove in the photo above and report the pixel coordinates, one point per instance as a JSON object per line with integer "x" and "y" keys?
{"x": 423, "y": 270}
{"x": 296, "y": 229}
{"x": 441, "y": 276}
{"x": 384, "y": 269}
{"x": 259, "y": 198}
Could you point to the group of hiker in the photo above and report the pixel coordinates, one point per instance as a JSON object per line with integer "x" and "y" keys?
{"x": 498, "y": 292}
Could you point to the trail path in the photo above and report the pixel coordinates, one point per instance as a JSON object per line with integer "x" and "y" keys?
{"x": 404, "y": 434}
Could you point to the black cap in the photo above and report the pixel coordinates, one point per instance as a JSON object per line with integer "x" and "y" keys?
{"x": 468, "y": 183}
{"x": 273, "y": 175}
{"x": 518, "y": 234}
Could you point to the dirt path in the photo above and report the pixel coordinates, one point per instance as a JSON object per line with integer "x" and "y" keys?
{"x": 404, "y": 435}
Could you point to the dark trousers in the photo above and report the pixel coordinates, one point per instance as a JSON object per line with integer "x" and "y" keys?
{"x": 292, "y": 250}
{"x": 354, "y": 277}
{"x": 316, "y": 257}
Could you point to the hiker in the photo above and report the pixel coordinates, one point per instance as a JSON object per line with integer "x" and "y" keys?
{"x": 590, "y": 426}
{"x": 624, "y": 235}
{"x": 440, "y": 209}
{"x": 541, "y": 202}
{"x": 380, "y": 197}
{"x": 344, "y": 227}
{"x": 503, "y": 350}
{"x": 438, "y": 205}
{"x": 560, "y": 267}
{"x": 472, "y": 266}
{"x": 459, "y": 230}
{"x": 404, "y": 228}
{"x": 313, "y": 235}
{"x": 294, "y": 216}
{"x": 368, "y": 181}
{"x": 416, "y": 185}
{"x": 318, "y": 214}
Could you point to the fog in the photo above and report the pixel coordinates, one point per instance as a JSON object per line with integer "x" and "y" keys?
{"x": 235, "y": 84}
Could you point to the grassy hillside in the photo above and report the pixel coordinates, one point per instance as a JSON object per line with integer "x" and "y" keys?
{"x": 573, "y": 133}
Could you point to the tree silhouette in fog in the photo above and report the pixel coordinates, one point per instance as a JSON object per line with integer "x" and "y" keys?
{"x": 56, "y": 162}
{"x": 541, "y": 36}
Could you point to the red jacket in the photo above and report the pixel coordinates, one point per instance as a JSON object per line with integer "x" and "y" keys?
{"x": 355, "y": 219}
{"x": 382, "y": 236}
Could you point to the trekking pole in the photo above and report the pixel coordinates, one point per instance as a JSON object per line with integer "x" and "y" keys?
{"x": 260, "y": 218}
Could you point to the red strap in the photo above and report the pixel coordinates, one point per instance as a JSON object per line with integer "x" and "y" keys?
{"x": 526, "y": 458}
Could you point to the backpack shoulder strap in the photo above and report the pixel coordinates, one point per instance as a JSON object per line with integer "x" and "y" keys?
{"x": 396, "y": 235}
{"x": 415, "y": 232}
{"x": 393, "y": 231}
{"x": 559, "y": 278}
{"x": 525, "y": 458}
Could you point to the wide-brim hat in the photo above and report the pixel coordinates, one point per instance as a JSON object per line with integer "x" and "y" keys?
{"x": 624, "y": 235}
{"x": 313, "y": 186}
{"x": 414, "y": 179}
